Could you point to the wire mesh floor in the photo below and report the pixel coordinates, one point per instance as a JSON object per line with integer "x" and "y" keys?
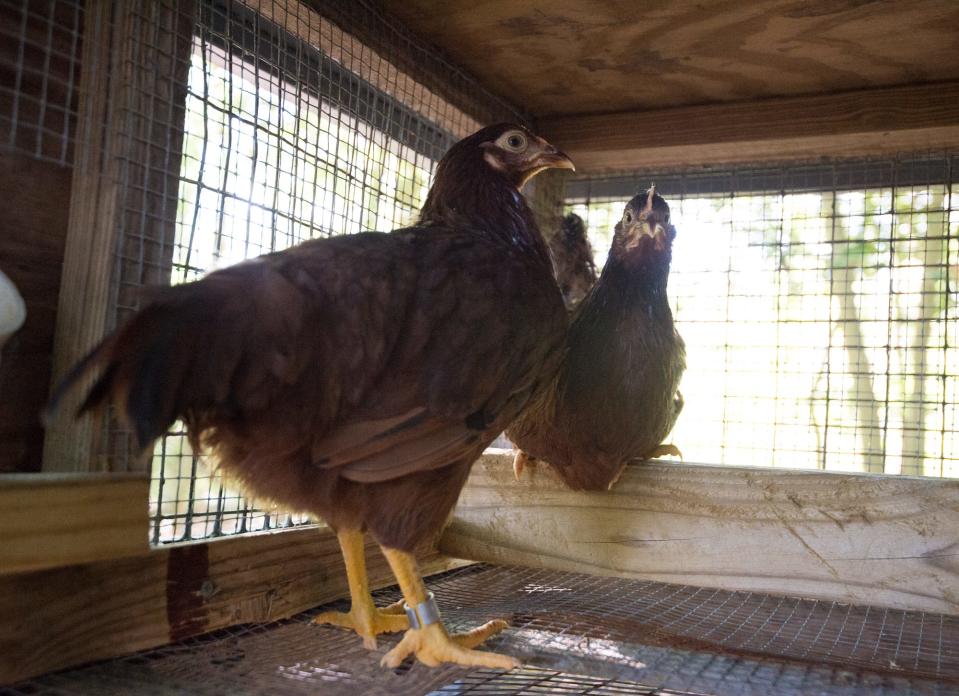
{"x": 577, "y": 634}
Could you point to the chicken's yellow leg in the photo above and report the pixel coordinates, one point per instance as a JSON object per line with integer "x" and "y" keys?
{"x": 363, "y": 616}
{"x": 430, "y": 642}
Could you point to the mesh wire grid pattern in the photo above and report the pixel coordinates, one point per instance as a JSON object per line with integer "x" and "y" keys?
{"x": 232, "y": 128}
{"x": 818, "y": 304}
{"x": 39, "y": 76}
{"x": 576, "y": 634}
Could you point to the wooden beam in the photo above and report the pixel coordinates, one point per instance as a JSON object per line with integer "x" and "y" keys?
{"x": 54, "y": 619}
{"x": 47, "y": 521}
{"x": 858, "y": 123}
{"x": 890, "y": 541}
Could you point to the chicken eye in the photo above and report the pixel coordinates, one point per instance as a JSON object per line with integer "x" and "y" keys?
{"x": 628, "y": 218}
{"x": 514, "y": 141}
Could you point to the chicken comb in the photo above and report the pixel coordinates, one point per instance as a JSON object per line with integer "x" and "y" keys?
{"x": 649, "y": 198}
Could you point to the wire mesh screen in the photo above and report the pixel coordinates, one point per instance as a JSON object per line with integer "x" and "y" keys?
{"x": 228, "y": 128}
{"x": 39, "y": 76}
{"x": 576, "y": 634}
{"x": 818, "y": 305}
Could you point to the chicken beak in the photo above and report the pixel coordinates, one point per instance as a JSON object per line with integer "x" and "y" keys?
{"x": 647, "y": 226}
{"x": 547, "y": 158}
{"x": 555, "y": 159}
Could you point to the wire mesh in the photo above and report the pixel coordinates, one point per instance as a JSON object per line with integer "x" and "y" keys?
{"x": 577, "y": 634}
{"x": 39, "y": 76}
{"x": 818, "y": 305}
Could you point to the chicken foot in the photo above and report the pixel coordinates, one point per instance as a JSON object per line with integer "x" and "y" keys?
{"x": 520, "y": 460}
{"x": 664, "y": 451}
{"x": 660, "y": 451}
{"x": 363, "y": 617}
{"x": 430, "y": 643}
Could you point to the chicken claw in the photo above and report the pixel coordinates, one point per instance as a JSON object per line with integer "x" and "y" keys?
{"x": 664, "y": 451}
{"x": 661, "y": 451}
{"x": 429, "y": 641}
{"x": 520, "y": 460}
{"x": 432, "y": 646}
{"x": 367, "y": 620}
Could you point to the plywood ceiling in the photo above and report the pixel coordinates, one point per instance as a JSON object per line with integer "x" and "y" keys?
{"x": 596, "y": 56}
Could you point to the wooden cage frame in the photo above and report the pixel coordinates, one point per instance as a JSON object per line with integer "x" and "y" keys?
{"x": 79, "y": 582}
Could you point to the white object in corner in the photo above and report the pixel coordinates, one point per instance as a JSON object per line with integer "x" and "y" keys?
{"x": 13, "y": 312}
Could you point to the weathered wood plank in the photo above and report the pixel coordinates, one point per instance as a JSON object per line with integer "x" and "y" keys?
{"x": 54, "y": 619}
{"x": 884, "y": 540}
{"x": 859, "y": 123}
{"x": 48, "y": 521}
{"x": 596, "y": 56}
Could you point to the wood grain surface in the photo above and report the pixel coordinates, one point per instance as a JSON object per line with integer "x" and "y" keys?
{"x": 596, "y": 56}
{"x": 852, "y": 124}
{"x": 884, "y": 540}
{"x": 52, "y": 520}
{"x": 57, "y": 618}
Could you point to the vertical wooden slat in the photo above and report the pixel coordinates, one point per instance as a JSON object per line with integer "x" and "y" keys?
{"x": 88, "y": 257}
{"x": 129, "y": 136}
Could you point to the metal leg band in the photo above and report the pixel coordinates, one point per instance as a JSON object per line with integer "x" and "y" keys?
{"x": 424, "y": 613}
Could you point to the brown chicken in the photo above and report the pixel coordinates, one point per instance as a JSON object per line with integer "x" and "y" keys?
{"x": 615, "y": 397}
{"x": 357, "y": 378}
{"x": 572, "y": 260}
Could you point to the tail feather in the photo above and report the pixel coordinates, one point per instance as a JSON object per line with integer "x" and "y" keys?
{"x": 204, "y": 352}
{"x": 150, "y": 389}
{"x": 155, "y": 369}
{"x": 70, "y": 381}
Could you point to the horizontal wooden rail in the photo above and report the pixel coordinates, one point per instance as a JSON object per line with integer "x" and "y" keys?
{"x": 883, "y": 540}
{"x": 858, "y": 123}
{"x": 51, "y": 520}
{"x": 54, "y": 619}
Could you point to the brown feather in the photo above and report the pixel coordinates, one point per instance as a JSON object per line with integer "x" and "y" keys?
{"x": 572, "y": 260}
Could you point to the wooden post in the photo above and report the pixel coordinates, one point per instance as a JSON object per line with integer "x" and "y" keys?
{"x": 124, "y": 191}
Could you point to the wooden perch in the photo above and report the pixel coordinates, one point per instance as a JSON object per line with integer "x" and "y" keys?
{"x": 883, "y": 540}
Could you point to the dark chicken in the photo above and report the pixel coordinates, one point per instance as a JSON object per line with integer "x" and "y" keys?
{"x": 615, "y": 396}
{"x": 572, "y": 260}
{"x": 357, "y": 378}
